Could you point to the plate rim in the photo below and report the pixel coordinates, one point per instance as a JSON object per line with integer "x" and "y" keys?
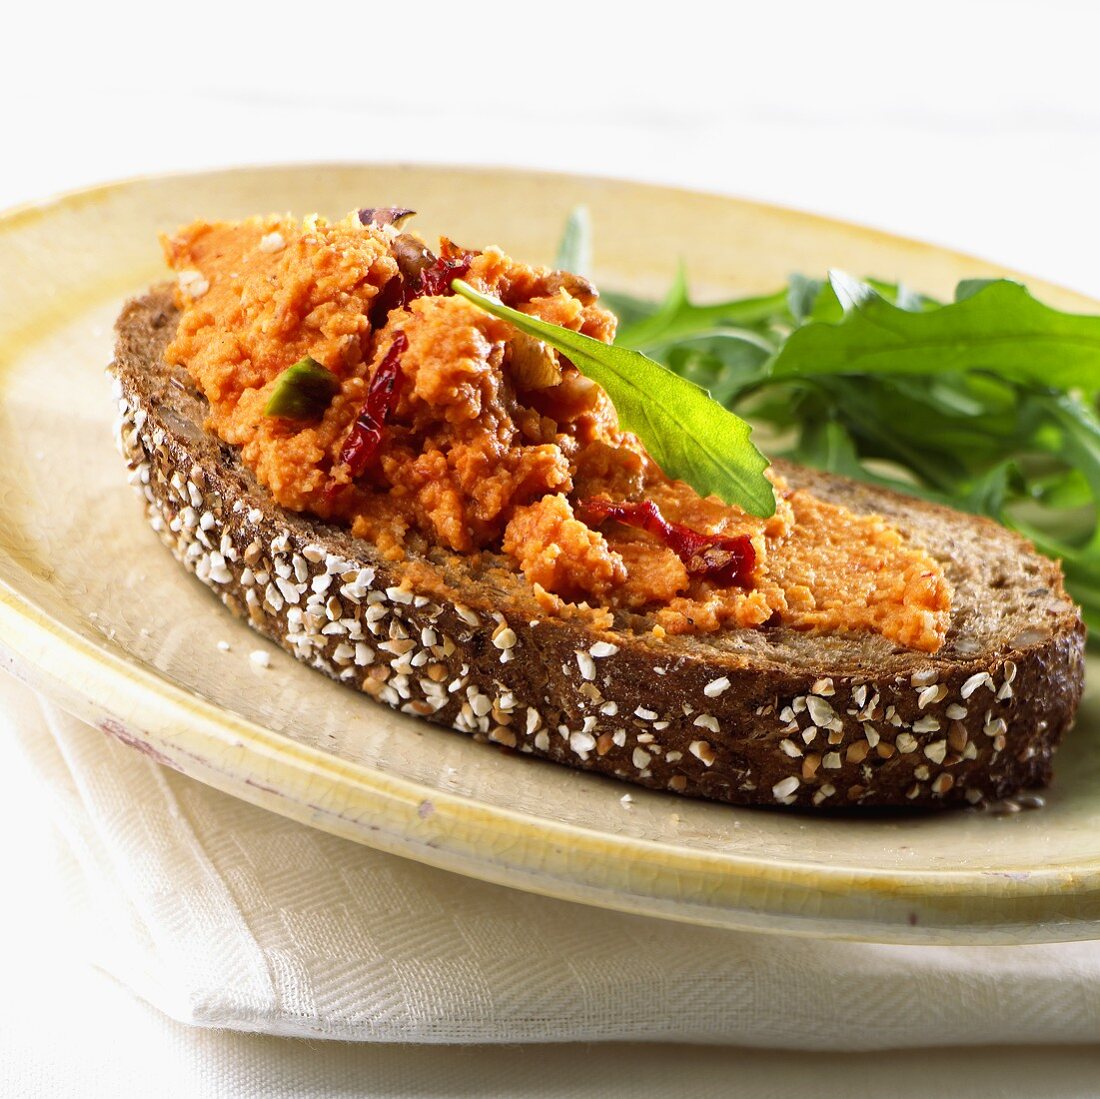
{"x": 150, "y": 712}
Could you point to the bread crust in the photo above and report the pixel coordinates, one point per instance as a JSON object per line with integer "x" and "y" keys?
{"x": 750, "y": 717}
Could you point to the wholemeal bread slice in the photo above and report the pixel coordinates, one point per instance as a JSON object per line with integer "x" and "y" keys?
{"x": 757, "y": 717}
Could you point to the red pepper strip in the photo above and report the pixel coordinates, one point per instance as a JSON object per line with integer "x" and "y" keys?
{"x": 435, "y": 280}
{"x": 365, "y": 437}
{"x": 723, "y": 560}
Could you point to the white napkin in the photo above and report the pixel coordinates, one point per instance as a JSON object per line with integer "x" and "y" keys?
{"x": 225, "y": 915}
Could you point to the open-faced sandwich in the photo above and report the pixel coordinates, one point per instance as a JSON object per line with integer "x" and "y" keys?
{"x": 397, "y": 477}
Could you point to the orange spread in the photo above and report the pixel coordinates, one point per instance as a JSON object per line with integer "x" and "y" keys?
{"x": 493, "y": 439}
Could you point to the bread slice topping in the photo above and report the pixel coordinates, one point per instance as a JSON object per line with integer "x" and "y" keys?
{"x": 361, "y": 391}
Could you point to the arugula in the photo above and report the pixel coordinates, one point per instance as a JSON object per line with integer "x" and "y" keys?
{"x": 998, "y": 327}
{"x": 988, "y": 403}
{"x": 689, "y": 435}
{"x": 575, "y": 249}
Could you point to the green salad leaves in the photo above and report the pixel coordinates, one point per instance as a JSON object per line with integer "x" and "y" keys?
{"x": 996, "y": 326}
{"x": 691, "y": 437}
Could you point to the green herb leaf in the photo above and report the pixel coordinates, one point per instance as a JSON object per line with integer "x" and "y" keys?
{"x": 802, "y": 293}
{"x": 303, "y": 391}
{"x": 998, "y": 328}
{"x": 679, "y": 318}
{"x": 575, "y": 248}
{"x": 967, "y": 288}
{"x": 689, "y": 435}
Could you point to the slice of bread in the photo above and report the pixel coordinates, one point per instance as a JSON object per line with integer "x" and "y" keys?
{"x": 754, "y": 717}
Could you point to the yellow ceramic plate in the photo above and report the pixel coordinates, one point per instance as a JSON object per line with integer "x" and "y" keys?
{"x": 74, "y": 550}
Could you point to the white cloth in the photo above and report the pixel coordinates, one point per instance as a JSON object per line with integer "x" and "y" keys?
{"x": 124, "y": 1049}
{"x": 225, "y": 915}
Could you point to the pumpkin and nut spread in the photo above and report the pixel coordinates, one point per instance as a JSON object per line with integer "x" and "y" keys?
{"x": 361, "y": 390}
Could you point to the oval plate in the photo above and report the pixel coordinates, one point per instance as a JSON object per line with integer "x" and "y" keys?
{"x": 97, "y": 615}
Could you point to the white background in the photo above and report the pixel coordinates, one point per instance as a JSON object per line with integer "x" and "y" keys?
{"x": 972, "y": 124}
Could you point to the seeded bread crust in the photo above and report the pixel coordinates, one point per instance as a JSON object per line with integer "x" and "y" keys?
{"x": 751, "y": 717}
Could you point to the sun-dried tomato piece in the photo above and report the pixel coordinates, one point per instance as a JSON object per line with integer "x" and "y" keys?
{"x": 434, "y": 274}
{"x": 361, "y": 445}
{"x": 723, "y": 560}
{"x": 435, "y": 279}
